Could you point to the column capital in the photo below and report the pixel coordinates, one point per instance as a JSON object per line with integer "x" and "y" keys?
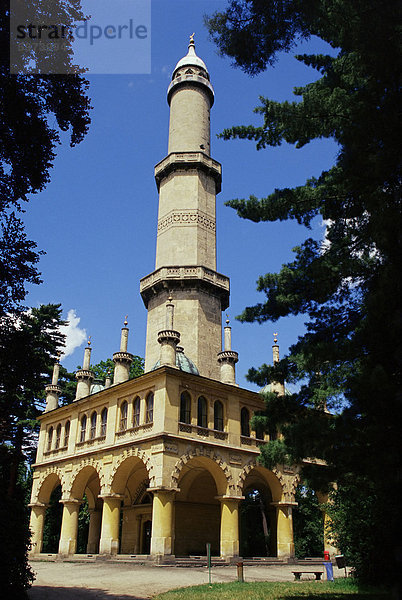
{"x": 38, "y": 505}
{"x": 111, "y": 496}
{"x": 225, "y": 498}
{"x": 66, "y": 501}
{"x": 162, "y": 489}
{"x": 284, "y": 504}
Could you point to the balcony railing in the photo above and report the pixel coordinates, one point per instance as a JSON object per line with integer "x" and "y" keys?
{"x": 203, "y": 431}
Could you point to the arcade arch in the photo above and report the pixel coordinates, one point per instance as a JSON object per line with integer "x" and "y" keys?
{"x": 197, "y": 507}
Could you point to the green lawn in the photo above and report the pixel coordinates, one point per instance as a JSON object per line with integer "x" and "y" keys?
{"x": 298, "y": 590}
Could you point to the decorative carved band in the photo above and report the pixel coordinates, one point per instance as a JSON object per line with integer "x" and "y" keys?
{"x": 189, "y": 217}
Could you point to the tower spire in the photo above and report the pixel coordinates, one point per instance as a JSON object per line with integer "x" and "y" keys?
{"x": 53, "y": 390}
{"x": 228, "y": 358}
{"x": 85, "y": 376}
{"x": 122, "y": 359}
{"x": 168, "y": 338}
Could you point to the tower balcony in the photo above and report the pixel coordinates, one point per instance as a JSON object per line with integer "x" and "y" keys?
{"x": 172, "y": 277}
{"x": 189, "y": 160}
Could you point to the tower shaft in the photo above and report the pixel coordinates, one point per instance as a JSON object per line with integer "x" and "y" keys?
{"x": 188, "y": 180}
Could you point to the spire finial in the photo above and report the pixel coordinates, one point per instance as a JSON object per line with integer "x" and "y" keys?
{"x": 89, "y": 340}
{"x": 227, "y": 319}
{"x": 192, "y": 38}
{"x": 275, "y": 338}
{"x": 125, "y": 321}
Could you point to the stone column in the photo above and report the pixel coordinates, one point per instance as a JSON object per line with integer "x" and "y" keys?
{"x": 328, "y": 542}
{"x": 109, "y": 539}
{"x": 94, "y": 531}
{"x": 69, "y": 527}
{"x": 36, "y": 524}
{"x": 230, "y": 526}
{"x": 284, "y": 529}
{"x": 137, "y": 546}
{"x": 162, "y": 522}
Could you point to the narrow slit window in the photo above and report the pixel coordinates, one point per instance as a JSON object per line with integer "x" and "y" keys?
{"x": 202, "y": 420}
{"x": 58, "y": 436}
{"x": 103, "y": 422}
{"x": 136, "y": 412}
{"x": 92, "y": 433}
{"x": 49, "y": 439}
{"x": 218, "y": 415}
{"x": 245, "y": 422}
{"x": 150, "y": 408}
{"x": 66, "y": 433}
{"x": 185, "y": 408}
{"x": 83, "y": 428}
{"x": 123, "y": 416}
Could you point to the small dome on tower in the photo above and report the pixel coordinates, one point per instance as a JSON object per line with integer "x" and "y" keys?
{"x": 190, "y": 60}
{"x": 97, "y": 386}
{"x": 182, "y": 362}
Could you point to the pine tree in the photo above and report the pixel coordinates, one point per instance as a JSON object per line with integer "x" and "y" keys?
{"x": 347, "y": 285}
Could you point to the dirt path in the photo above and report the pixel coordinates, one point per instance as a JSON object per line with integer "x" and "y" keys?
{"x": 113, "y": 581}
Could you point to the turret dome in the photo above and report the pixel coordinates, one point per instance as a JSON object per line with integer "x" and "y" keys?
{"x": 190, "y": 60}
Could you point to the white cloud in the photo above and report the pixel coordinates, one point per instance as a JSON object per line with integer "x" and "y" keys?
{"x": 75, "y": 336}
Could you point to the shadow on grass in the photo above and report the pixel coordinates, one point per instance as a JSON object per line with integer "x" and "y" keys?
{"x": 44, "y": 592}
{"x": 339, "y": 596}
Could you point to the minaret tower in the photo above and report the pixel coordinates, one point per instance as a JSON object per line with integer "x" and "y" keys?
{"x": 276, "y": 386}
{"x": 188, "y": 180}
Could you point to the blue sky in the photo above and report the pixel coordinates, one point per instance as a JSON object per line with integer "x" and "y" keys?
{"x": 97, "y": 218}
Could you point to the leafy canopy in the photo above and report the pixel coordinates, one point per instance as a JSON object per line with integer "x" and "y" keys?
{"x": 34, "y": 110}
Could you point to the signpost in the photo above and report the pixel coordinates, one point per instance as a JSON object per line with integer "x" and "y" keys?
{"x": 209, "y": 562}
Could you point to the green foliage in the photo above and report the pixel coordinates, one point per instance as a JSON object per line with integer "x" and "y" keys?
{"x": 308, "y": 524}
{"x": 102, "y": 368}
{"x": 348, "y": 285}
{"x": 28, "y": 142}
{"x": 83, "y": 527}
{"x": 357, "y": 502}
{"x": 29, "y": 343}
{"x": 16, "y": 574}
{"x": 52, "y": 526}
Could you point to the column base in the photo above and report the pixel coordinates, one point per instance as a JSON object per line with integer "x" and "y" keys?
{"x": 109, "y": 547}
{"x": 163, "y": 559}
{"x": 67, "y": 547}
{"x": 161, "y": 546}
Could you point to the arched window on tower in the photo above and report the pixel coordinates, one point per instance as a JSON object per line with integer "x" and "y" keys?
{"x": 136, "y": 411}
{"x": 185, "y": 408}
{"x": 92, "y": 433}
{"x": 58, "y": 436}
{"x": 149, "y": 412}
{"x": 245, "y": 422}
{"x": 202, "y": 420}
{"x": 66, "y": 433}
{"x": 123, "y": 416}
{"x": 49, "y": 439}
{"x": 83, "y": 428}
{"x": 103, "y": 422}
{"x": 218, "y": 415}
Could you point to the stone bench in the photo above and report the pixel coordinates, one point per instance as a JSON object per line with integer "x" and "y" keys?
{"x": 298, "y": 574}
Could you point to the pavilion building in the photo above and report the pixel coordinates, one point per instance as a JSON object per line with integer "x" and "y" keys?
{"x": 167, "y": 460}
